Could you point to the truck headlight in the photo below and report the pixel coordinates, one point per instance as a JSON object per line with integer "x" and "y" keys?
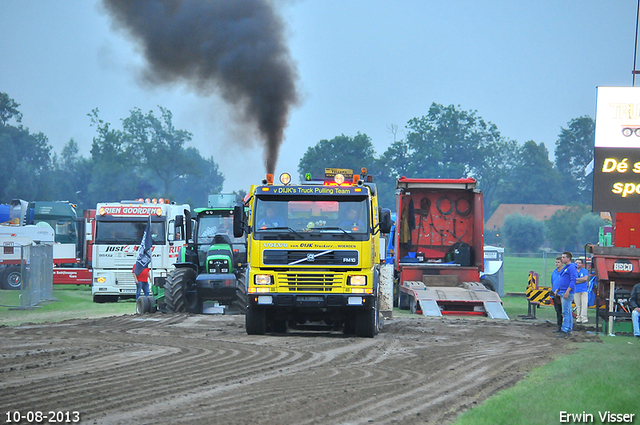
{"x": 357, "y": 280}
{"x": 101, "y": 279}
{"x": 262, "y": 279}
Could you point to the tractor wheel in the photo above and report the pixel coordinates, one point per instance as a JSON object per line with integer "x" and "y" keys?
{"x": 256, "y": 321}
{"x": 152, "y": 304}
{"x": 142, "y": 305}
{"x": 180, "y": 292}
{"x": 11, "y": 278}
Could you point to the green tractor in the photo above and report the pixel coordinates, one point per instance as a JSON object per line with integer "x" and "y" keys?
{"x": 211, "y": 265}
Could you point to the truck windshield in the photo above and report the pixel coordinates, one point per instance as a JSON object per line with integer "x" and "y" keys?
{"x": 128, "y": 232}
{"x": 317, "y": 218}
{"x": 65, "y": 229}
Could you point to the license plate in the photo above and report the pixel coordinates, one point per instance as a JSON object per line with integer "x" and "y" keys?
{"x": 127, "y": 291}
{"x": 310, "y": 298}
{"x": 354, "y": 301}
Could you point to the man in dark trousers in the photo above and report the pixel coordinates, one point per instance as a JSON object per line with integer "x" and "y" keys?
{"x": 566, "y": 290}
{"x": 634, "y": 302}
{"x": 557, "y": 301}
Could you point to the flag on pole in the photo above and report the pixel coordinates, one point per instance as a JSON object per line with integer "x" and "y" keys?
{"x": 589, "y": 168}
{"x": 144, "y": 252}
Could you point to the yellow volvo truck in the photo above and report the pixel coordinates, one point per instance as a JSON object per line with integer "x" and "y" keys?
{"x": 314, "y": 253}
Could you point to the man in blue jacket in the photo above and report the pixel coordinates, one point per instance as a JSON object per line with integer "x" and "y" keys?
{"x": 634, "y": 302}
{"x": 566, "y": 290}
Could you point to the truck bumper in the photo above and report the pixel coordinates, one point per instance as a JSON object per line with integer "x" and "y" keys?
{"x": 302, "y": 301}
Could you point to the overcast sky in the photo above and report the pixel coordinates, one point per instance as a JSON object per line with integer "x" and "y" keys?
{"x": 527, "y": 66}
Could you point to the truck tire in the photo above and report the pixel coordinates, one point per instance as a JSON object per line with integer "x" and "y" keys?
{"x": 256, "y": 321}
{"x": 180, "y": 292}
{"x": 11, "y": 278}
{"x": 366, "y": 323}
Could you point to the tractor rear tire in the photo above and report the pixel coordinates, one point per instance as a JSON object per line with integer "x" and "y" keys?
{"x": 256, "y": 321}
{"x": 180, "y": 291}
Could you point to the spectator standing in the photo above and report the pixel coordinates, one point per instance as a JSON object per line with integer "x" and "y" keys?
{"x": 634, "y": 302}
{"x": 557, "y": 301}
{"x": 566, "y": 289}
{"x": 581, "y": 298}
{"x": 142, "y": 282}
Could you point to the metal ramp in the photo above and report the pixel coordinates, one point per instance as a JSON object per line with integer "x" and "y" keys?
{"x": 430, "y": 308}
{"x": 472, "y": 298}
{"x": 494, "y": 310}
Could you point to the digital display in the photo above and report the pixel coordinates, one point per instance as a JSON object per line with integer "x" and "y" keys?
{"x": 616, "y": 173}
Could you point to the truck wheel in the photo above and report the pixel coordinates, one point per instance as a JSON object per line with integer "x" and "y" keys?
{"x": 180, "y": 291}
{"x": 142, "y": 305}
{"x": 10, "y": 278}
{"x": 256, "y": 321}
{"x": 366, "y": 323}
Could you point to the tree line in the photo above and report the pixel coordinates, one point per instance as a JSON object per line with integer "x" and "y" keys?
{"x": 148, "y": 155}
{"x": 450, "y": 142}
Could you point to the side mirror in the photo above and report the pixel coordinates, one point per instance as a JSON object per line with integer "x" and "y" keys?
{"x": 187, "y": 225}
{"x": 239, "y": 219}
{"x": 179, "y": 220}
{"x": 385, "y": 220}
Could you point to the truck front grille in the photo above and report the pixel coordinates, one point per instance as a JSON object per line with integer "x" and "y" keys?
{"x": 304, "y": 282}
{"x": 125, "y": 278}
{"x": 309, "y": 258}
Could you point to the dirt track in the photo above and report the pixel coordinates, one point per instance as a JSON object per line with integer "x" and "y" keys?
{"x": 164, "y": 369}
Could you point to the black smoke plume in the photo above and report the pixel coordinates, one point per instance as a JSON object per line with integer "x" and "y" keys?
{"x": 236, "y": 47}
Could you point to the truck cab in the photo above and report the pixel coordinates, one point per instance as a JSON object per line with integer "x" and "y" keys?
{"x": 314, "y": 252}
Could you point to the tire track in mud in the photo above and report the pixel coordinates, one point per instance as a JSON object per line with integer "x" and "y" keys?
{"x": 183, "y": 362}
{"x": 200, "y": 369}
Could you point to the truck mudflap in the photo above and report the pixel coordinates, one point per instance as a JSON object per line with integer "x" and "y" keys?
{"x": 312, "y": 300}
{"x": 472, "y": 298}
{"x": 219, "y": 287}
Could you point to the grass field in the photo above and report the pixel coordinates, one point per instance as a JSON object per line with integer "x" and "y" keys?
{"x": 595, "y": 379}
{"x": 70, "y": 302}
